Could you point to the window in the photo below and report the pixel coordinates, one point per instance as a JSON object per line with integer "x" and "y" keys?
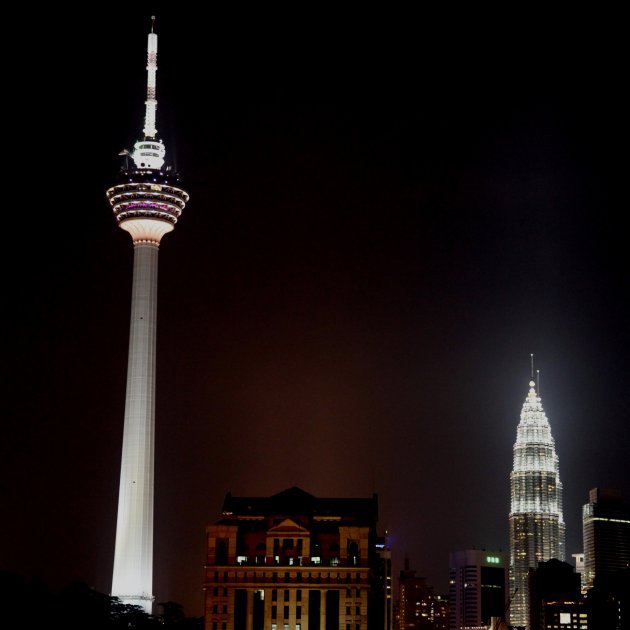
{"x": 353, "y": 553}
{"x": 274, "y": 595}
{"x": 286, "y": 595}
{"x": 298, "y": 612}
{"x": 261, "y": 552}
{"x": 221, "y": 553}
{"x": 286, "y": 612}
{"x": 298, "y": 595}
{"x": 274, "y": 612}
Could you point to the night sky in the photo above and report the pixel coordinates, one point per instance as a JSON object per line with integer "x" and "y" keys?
{"x": 389, "y": 213}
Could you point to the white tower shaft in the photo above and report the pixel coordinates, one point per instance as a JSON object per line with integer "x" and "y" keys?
{"x": 133, "y": 558}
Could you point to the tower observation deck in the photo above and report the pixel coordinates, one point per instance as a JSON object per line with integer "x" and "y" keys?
{"x": 147, "y": 201}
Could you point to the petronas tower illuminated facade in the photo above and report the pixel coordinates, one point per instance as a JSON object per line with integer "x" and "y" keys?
{"x": 536, "y": 522}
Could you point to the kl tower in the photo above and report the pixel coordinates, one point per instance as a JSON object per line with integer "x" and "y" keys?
{"x": 147, "y": 200}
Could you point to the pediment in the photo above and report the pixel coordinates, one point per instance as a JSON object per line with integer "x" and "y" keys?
{"x": 288, "y": 526}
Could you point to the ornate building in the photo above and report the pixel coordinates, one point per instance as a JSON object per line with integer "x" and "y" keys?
{"x": 536, "y": 523}
{"x": 293, "y": 561}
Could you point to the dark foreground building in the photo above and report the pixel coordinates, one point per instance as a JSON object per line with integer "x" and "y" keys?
{"x": 293, "y": 561}
{"x": 555, "y": 600}
{"x": 606, "y": 528}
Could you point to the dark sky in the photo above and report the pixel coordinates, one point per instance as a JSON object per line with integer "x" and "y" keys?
{"x": 389, "y": 212}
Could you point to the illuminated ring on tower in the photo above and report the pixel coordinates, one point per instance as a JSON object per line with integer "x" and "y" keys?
{"x": 149, "y": 200}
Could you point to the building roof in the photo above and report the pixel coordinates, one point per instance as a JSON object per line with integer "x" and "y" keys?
{"x": 296, "y": 502}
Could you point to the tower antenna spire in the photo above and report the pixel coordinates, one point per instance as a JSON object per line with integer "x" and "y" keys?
{"x": 538, "y": 381}
{"x": 150, "y": 152}
{"x": 151, "y": 103}
{"x": 532, "y": 364}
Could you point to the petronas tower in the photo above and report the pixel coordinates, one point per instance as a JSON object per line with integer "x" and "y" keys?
{"x": 536, "y": 522}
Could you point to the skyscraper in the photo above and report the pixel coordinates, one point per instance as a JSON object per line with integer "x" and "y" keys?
{"x": 476, "y": 594}
{"x": 606, "y": 529}
{"x": 147, "y": 201}
{"x": 536, "y": 522}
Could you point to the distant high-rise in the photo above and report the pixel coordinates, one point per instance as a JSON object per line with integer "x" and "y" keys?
{"x": 476, "y": 594}
{"x": 536, "y": 523}
{"x": 147, "y": 202}
{"x": 606, "y": 528}
{"x": 418, "y": 607}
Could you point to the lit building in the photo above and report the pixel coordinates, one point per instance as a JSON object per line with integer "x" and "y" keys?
{"x": 606, "y": 529}
{"x": 384, "y": 578}
{"x": 477, "y": 581}
{"x": 579, "y": 565}
{"x": 147, "y": 201}
{"x": 418, "y": 607}
{"x": 537, "y": 527}
{"x": 294, "y": 561}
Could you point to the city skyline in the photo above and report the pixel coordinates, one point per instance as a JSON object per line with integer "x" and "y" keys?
{"x": 381, "y": 230}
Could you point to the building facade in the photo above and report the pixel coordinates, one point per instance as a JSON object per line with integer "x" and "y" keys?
{"x": 147, "y": 200}
{"x": 537, "y": 530}
{"x": 293, "y": 561}
{"x": 606, "y": 529}
{"x": 477, "y": 583}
